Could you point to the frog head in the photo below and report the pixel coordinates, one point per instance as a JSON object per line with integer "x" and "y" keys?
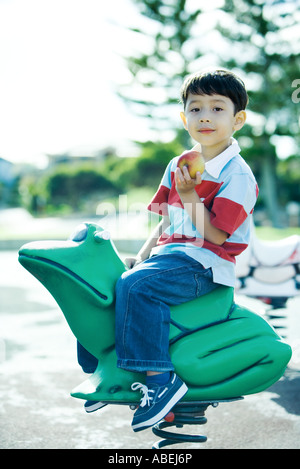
{"x": 80, "y": 273}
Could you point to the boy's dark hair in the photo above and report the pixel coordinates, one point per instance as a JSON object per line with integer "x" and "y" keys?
{"x": 220, "y": 82}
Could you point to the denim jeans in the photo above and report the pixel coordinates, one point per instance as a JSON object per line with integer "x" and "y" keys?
{"x": 144, "y": 295}
{"x": 86, "y": 360}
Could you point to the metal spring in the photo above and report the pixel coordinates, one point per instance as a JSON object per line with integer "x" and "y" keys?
{"x": 184, "y": 414}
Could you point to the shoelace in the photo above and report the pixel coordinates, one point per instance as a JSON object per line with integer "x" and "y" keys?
{"x": 144, "y": 389}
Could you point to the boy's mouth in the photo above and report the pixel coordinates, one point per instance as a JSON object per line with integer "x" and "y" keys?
{"x": 206, "y": 131}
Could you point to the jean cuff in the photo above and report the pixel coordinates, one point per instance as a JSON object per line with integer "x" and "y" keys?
{"x": 144, "y": 365}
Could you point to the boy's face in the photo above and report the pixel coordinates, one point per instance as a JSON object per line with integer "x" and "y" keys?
{"x": 210, "y": 120}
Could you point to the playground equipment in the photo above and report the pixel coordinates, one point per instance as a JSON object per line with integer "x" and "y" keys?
{"x": 270, "y": 271}
{"x": 221, "y": 350}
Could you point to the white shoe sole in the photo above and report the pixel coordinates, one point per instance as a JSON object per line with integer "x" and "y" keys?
{"x": 94, "y": 407}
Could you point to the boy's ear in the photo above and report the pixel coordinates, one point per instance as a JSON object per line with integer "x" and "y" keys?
{"x": 183, "y": 118}
{"x": 239, "y": 120}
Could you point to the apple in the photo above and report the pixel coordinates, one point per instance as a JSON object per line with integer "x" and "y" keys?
{"x": 194, "y": 162}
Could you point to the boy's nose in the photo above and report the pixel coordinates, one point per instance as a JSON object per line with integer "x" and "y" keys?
{"x": 204, "y": 116}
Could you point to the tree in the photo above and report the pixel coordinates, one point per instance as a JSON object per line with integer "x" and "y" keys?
{"x": 65, "y": 186}
{"x": 252, "y": 37}
{"x": 73, "y": 184}
{"x": 157, "y": 74}
{"x": 266, "y": 50}
{"x": 146, "y": 170}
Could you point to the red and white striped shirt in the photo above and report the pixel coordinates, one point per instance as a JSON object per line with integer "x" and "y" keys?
{"x": 229, "y": 191}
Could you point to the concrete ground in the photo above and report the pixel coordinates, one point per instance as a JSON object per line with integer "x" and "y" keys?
{"x": 38, "y": 370}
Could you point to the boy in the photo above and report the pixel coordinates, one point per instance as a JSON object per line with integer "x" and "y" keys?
{"x": 205, "y": 225}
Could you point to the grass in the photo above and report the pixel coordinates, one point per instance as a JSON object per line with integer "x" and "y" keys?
{"x": 58, "y": 231}
{"x": 268, "y": 233}
{"x": 23, "y": 226}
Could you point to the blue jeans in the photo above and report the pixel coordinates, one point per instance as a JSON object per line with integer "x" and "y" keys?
{"x": 143, "y": 297}
{"x": 86, "y": 360}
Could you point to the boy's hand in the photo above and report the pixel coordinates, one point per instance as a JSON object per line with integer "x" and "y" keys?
{"x": 184, "y": 182}
{"x": 132, "y": 261}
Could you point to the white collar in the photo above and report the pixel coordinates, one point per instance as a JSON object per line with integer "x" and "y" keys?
{"x": 215, "y": 165}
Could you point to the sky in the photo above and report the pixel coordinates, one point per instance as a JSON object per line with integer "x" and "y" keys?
{"x": 60, "y": 61}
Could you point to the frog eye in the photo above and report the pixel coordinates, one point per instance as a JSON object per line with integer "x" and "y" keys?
{"x": 102, "y": 236}
{"x": 80, "y": 233}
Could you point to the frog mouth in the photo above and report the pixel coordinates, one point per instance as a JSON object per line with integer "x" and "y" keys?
{"x": 27, "y": 260}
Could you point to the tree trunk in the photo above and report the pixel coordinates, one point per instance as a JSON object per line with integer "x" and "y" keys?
{"x": 269, "y": 188}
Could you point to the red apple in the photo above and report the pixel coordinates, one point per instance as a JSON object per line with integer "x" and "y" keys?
{"x": 194, "y": 162}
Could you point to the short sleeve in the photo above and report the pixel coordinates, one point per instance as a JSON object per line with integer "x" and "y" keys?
{"x": 234, "y": 202}
{"x": 159, "y": 203}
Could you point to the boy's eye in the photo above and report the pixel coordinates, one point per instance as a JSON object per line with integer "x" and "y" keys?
{"x": 195, "y": 109}
{"x": 218, "y": 109}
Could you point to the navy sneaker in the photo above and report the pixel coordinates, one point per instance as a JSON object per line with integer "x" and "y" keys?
{"x": 157, "y": 401}
{"x": 92, "y": 406}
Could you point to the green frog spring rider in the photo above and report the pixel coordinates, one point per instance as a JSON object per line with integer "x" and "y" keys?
{"x": 221, "y": 350}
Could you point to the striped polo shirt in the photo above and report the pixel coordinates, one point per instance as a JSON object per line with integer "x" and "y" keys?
{"x": 229, "y": 191}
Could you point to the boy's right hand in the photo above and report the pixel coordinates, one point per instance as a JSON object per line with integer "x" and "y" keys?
{"x": 184, "y": 183}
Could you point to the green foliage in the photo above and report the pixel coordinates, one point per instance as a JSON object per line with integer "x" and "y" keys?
{"x": 76, "y": 184}
{"x": 157, "y": 73}
{"x": 64, "y": 187}
{"x": 72, "y": 183}
{"x": 145, "y": 170}
{"x": 251, "y": 37}
{"x": 266, "y": 53}
{"x": 289, "y": 177}
{"x": 152, "y": 162}
{"x": 120, "y": 172}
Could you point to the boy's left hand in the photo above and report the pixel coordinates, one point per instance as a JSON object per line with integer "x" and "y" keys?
{"x": 184, "y": 182}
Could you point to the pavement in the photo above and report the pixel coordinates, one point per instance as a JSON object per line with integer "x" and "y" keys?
{"x": 38, "y": 370}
